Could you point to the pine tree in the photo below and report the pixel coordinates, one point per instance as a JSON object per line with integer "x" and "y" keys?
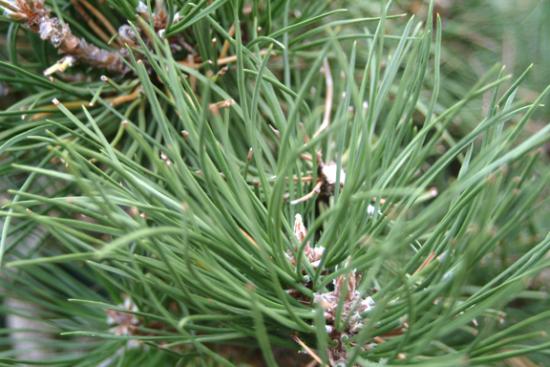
{"x": 291, "y": 183}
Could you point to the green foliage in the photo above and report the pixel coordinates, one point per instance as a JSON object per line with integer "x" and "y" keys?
{"x": 151, "y": 217}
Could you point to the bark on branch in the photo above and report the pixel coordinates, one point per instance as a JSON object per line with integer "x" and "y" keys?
{"x": 38, "y": 19}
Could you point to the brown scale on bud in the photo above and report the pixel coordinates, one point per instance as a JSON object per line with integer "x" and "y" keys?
{"x": 312, "y": 254}
{"x": 127, "y": 35}
{"x": 328, "y": 178}
{"x": 123, "y": 321}
{"x": 353, "y": 307}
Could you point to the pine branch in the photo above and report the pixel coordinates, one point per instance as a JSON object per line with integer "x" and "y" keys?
{"x": 263, "y": 208}
{"x": 37, "y": 18}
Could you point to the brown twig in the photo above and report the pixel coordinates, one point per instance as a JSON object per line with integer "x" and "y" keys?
{"x": 308, "y": 350}
{"x": 8, "y": 6}
{"x": 117, "y": 101}
{"x": 226, "y": 44}
{"x": 217, "y": 106}
{"x": 192, "y": 78}
{"x": 232, "y": 59}
{"x": 328, "y": 98}
{"x": 316, "y": 190}
{"x": 326, "y": 182}
{"x": 220, "y": 62}
{"x": 91, "y": 23}
{"x": 296, "y": 179}
{"x": 39, "y": 20}
{"x": 74, "y": 105}
{"x": 102, "y": 19}
{"x": 249, "y": 237}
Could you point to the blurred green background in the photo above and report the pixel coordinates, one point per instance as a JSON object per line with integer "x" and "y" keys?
{"x": 480, "y": 33}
